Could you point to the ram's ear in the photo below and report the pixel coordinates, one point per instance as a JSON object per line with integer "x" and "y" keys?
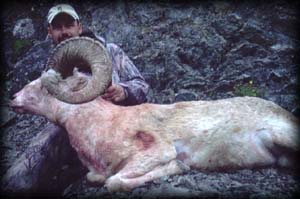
{"x": 87, "y": 55}
{"x": 50, "y": 77}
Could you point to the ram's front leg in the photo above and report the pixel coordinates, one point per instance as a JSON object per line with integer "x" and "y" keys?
{"x": 120, "y": 182}
{"x": 94, "y": 177}
{"x": 145, "y": 167}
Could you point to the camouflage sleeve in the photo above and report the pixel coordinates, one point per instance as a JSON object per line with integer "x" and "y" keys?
{"x": 128, "y": 76}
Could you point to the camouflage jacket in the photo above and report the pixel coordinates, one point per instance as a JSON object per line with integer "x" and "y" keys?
{"x": 124, "y": 73}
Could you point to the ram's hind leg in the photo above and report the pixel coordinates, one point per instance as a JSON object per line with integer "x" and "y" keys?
{"x": 282, "y": 143}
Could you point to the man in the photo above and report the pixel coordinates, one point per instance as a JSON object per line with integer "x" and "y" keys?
{"x": 128, "y": 86}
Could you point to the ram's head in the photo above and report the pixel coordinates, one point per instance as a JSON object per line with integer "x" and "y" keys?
{"x": 82, "y": 54}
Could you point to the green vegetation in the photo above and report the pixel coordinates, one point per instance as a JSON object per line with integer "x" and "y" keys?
{"x": 247, "y": 89}
{"x": 19, "y": 47}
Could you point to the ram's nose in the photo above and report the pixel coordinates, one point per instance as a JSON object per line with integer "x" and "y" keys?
{"x": 13, "y": 100}
{"x": 12, "y": 103}
{"x": 15, "y": 96}
{"x": 15, "y": 104}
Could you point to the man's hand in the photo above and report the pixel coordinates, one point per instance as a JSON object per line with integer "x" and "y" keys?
{"x": 114, "y": 93}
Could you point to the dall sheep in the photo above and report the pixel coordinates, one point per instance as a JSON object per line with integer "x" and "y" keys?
{"x": 124, "y": 147}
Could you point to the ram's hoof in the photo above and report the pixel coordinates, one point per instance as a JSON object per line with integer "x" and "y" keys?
{"x": 115, "y": 183}
{"x": 95, "y": 179}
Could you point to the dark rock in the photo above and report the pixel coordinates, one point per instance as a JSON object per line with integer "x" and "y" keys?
{"x": 24, "y": 29}
{"x": 37, "y": 170}
{"x": 31, "y": 66}
{"x": 185, "y": 96}
{"x": 6, "y": 116}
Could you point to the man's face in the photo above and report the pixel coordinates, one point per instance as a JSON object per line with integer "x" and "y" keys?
{"x": 63, "y": 27}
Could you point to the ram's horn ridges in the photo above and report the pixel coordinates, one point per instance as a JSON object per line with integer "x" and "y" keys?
{"x": 86, "y": 54}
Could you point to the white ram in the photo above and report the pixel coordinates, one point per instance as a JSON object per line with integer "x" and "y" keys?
{"x": 124, "y": 147}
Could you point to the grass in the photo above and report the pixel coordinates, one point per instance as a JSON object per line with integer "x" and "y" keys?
{"x": 19, "y": 47}
{"x": 247, "y": 89}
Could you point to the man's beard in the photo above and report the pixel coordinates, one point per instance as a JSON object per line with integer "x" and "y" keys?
{"x": 64, "y": 38}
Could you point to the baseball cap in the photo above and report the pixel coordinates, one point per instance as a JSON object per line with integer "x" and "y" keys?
{"x": 61, "y": 8}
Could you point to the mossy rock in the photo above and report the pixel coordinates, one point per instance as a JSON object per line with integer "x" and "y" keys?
{"x": 20, "y": 46}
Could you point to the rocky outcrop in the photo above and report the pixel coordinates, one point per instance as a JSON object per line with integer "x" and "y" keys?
{"x": 186, "y": 51}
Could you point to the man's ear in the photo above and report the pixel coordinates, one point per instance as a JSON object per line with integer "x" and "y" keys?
{"x": 49, "y": 32}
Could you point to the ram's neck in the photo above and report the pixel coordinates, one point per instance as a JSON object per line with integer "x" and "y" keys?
{"x": 57, "y": 111}
{"x": 63, "y": 112}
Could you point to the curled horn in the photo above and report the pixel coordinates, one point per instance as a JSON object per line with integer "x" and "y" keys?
{"x": 81, "y": 53}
